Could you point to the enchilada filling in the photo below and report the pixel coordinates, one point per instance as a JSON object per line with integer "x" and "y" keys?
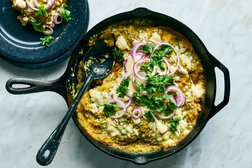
{"x": 154, "y": 94}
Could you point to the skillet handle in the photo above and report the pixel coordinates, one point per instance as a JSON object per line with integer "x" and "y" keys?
{"x": 225, "y": 101}
{"x": 32, "y": 86}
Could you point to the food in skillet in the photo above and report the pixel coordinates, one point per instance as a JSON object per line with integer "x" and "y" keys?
{"x": 43, "y": 15}
{"x": 153, "y": 96}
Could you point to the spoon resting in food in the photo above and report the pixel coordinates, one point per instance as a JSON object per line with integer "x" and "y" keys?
{"x": 98, "y": 63}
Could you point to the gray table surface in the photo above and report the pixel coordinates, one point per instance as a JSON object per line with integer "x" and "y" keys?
{"x": 225, "y": 26}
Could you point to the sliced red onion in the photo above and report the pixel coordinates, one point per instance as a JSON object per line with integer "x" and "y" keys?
{"x": 167, "y": 117}
{"x": 56, "y": 16}
{"x": 48, "y": 30}
{"x": 173, "y": 88}
{"x": 135, "y": 70}
{"x": 167, "y": 63}
{"x": 139, "y": 52}
{"x": 122, "y": 105}
{"x": 128, "y": 59}
{"x": 180, "y": 100}
{"x": 135, "y": 47}
{"x": 127, "y": 75}
{"x": 31, "y": 6}
{"x": 135, "y": 111}
{"x": 127, "y": 105}
{"x": 177, "y": 53}
{"x": 49, "y": 4}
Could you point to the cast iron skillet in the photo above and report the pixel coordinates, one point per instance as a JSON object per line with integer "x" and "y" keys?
{"x": 63, "y": 85}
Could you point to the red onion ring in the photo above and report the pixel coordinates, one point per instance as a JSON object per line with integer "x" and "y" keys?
{"x": 56, "y": 18}
{"x": 31, "y": 6}
{"x": 135, "y": 69}
{"x": 46, "y": 31}
{"x": 135, "y": 47}
{"x": 166, "y": 117}
{"x": 127, "y": 105}
{"x": 49, "y": 4}
{"x": 168, "y": 65}
{"x": 122, "y": 105}
{"x": 134, "y": 111}
{"x": 180, "y": 99}
{"x": 178, "y": 55}
{"x": 170, "y": 115}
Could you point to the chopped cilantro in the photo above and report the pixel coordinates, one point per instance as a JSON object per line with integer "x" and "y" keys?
{"x": 118, "y": 54}
{"x": 148, "y": 48}
{"x": 170, "y": 106}
{"x": 47, "y": 40}
{"x": 65, "y": 13}
{"x": 174, "y": 123}
{"x": 148, "y": 115}
{"x": 123, "y": 88}
{"x": 158, "y": 83}
{"x": 38, "y": 26}
{"x": 109, "y": 109}
{"x": 42, "y": 11}
{"x": 157, "y": 57}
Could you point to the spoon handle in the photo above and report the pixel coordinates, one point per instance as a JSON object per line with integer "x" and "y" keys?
{"x": 48, "y": 150}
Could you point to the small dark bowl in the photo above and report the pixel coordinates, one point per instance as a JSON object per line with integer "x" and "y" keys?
{"x": 22, "y": 45}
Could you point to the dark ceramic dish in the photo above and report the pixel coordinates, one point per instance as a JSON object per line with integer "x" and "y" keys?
{"x": 22, "y": 45}
{"x": 62, "y": 84}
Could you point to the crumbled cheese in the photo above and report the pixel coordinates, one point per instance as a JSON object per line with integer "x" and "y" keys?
{"x": 197, "y": 90}
{"x": 143, "y": 36}
{"x": 94, "y": 107}
{"x": 121, "y": 43}
{"x": 186, "y": 61}
{"x": 99, "y": 97}
{"x": 20, "y": 4}
{"x": 155, "y": 38}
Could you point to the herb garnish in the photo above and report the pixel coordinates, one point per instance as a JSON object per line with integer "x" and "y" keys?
{"x": 118, "y": 54}
{"x": 65, "y": 13}
{"x": 148, "y": 48}
{"x": 109, "y": 109}
{"x": 47, "y": 40}
{"x": 123, "y": 88}
{"x": 38, "y": 26}
{"x": 174, "y": 123}
{"x": 156, "y": 58}
{"x": 158, "y": 102}
{"x": 155, "y": 83}
{"x": 42, "y": 11}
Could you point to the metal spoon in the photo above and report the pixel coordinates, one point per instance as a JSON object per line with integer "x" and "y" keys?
{"x": 98, "y": 63}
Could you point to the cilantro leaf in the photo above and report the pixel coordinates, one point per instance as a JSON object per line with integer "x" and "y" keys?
{"x": 174, "y": 123}
{"x": 148, "y": 48}
{"x": 158, "y": 83}
{"x": 65, "y": 13}
{"x": 47, "y": 40}
{"x": 109, "y": 109}
{"x": 118, "y": 54}
{"x": 42, "y": 11}
{"x": 123, "y": 88}
{"x": 148, "y": 115}
{"x": 135, "y": 97}
{"x": 140, "y": 87}
{"x": 38, "y": 26}
{"x": 170, "y": 106}
{"x": 163, "y": 51}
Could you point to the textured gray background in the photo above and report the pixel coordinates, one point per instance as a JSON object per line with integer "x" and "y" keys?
{"x": 225, "y": 26}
